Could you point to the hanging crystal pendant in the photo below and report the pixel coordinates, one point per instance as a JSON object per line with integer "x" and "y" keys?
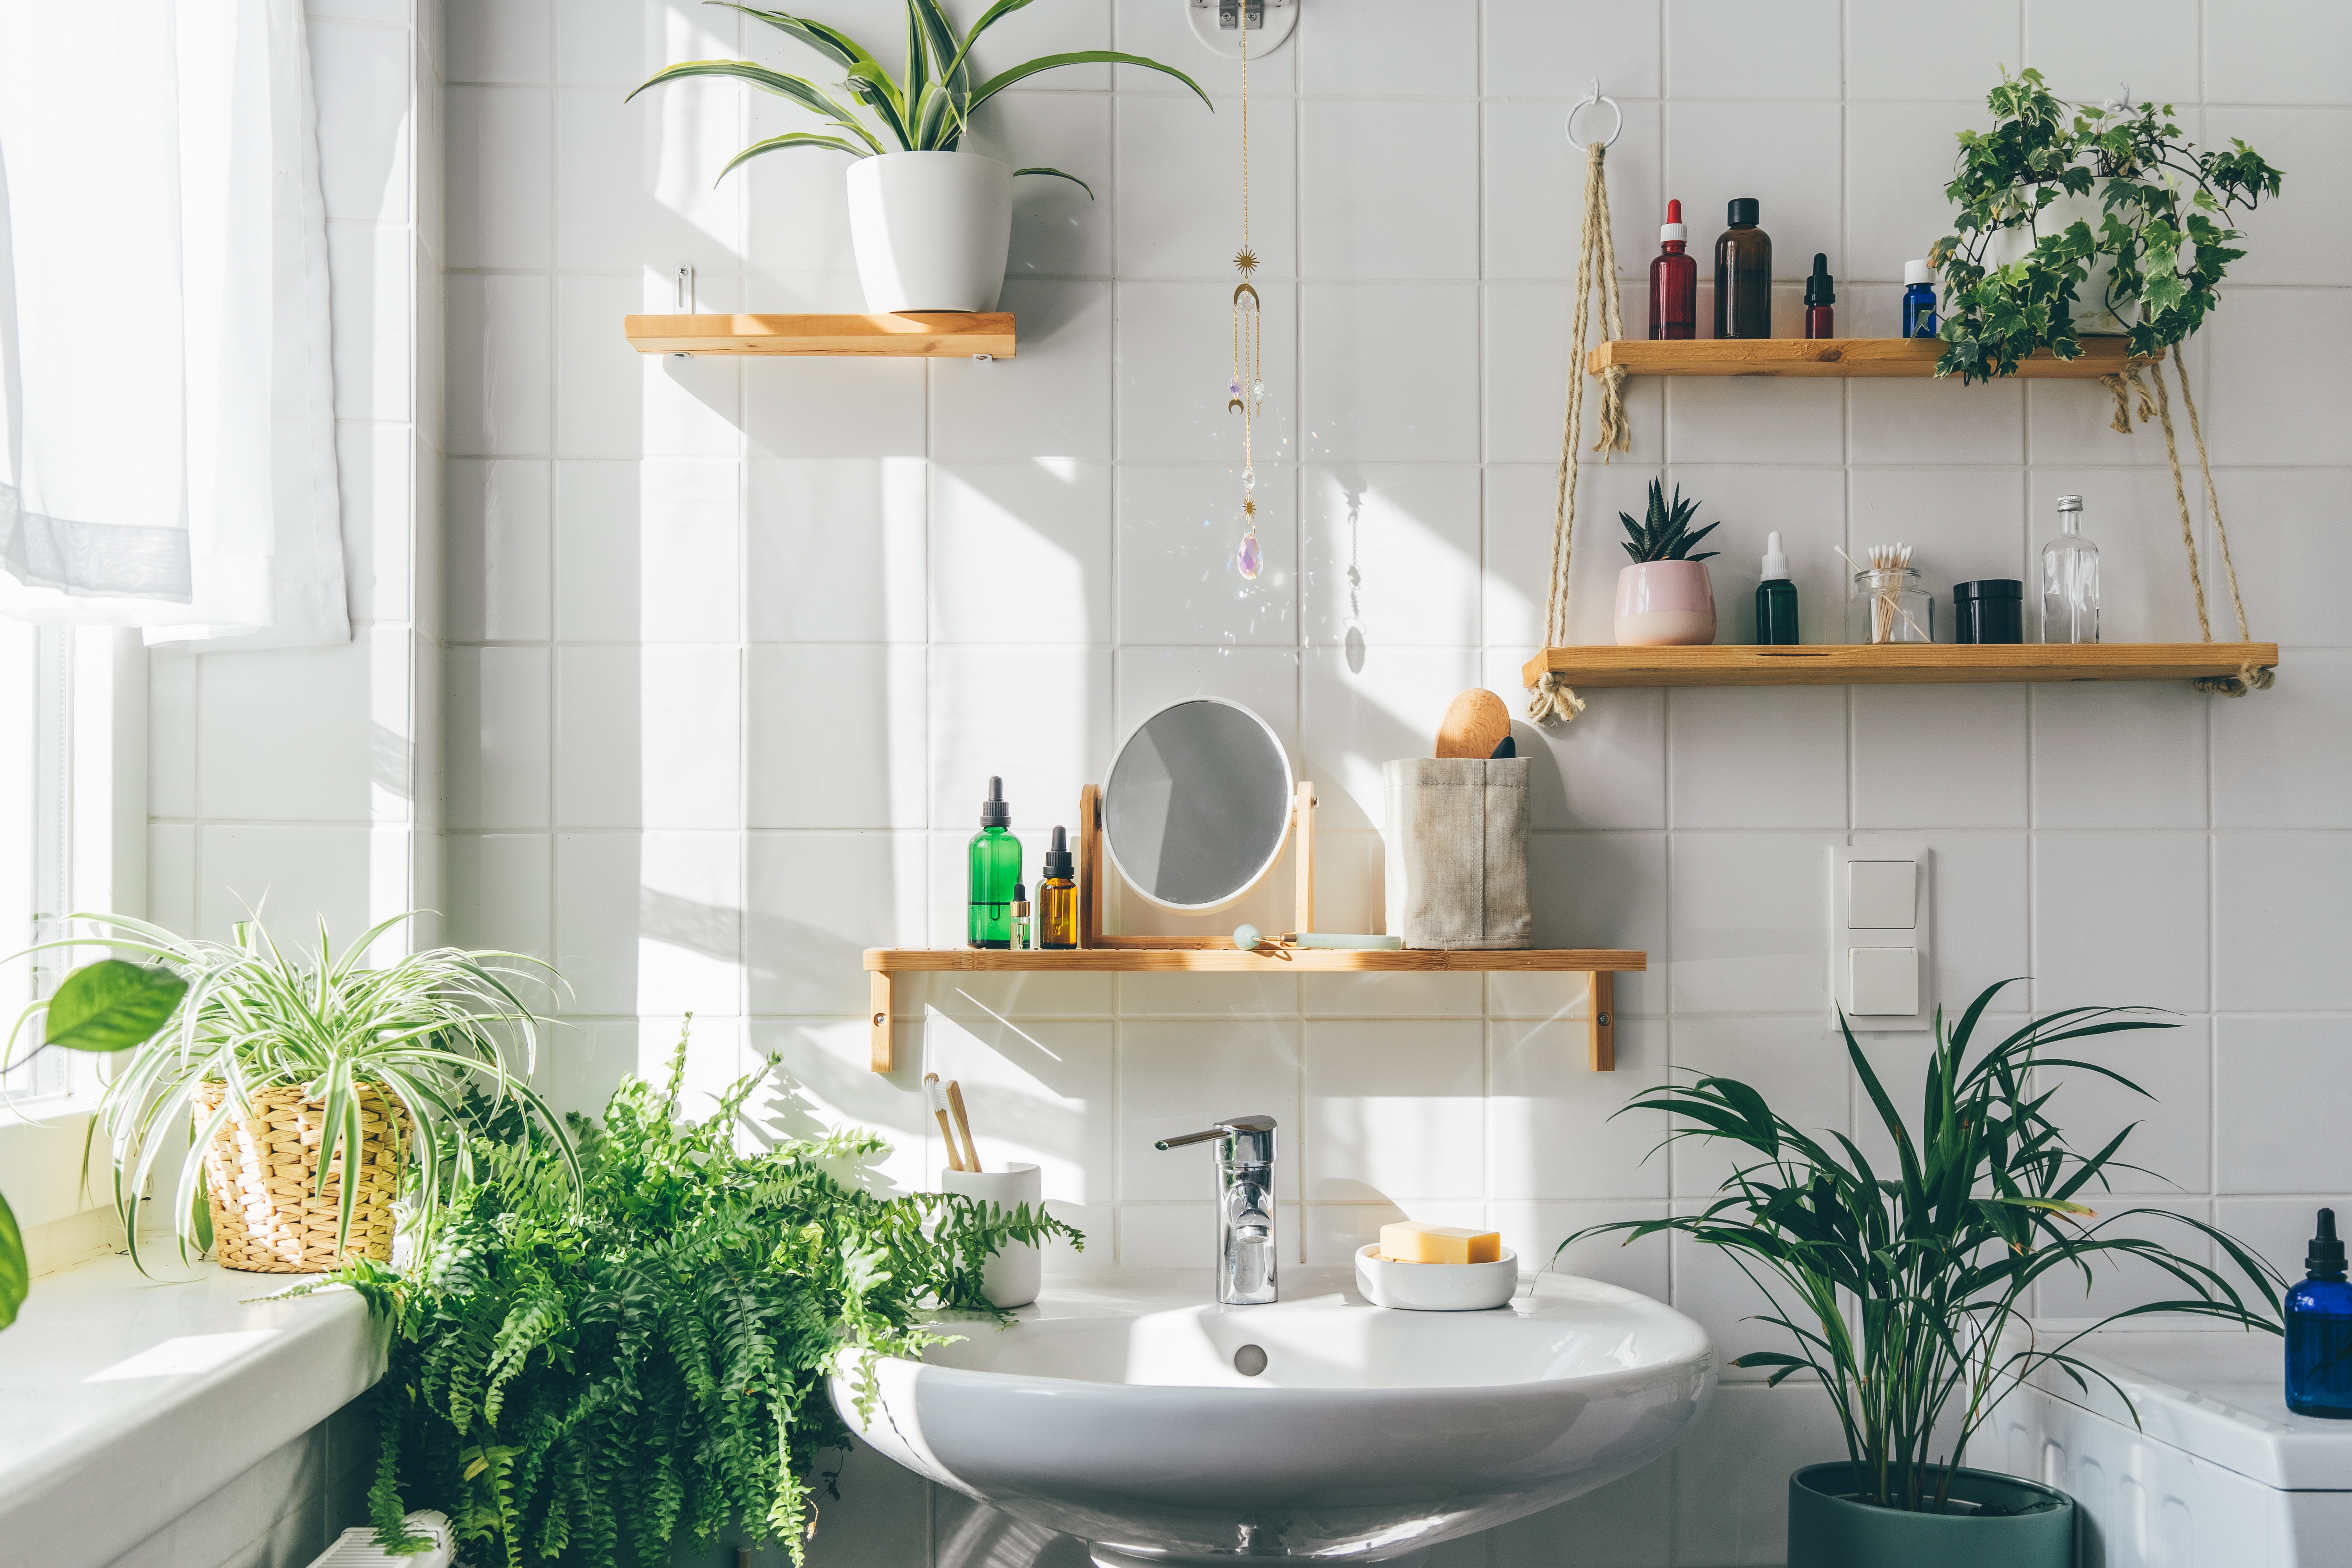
{"x": 1247, "y": 557}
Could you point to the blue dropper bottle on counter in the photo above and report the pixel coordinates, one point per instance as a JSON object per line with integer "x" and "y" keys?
{"x": 2319, "y": 1331}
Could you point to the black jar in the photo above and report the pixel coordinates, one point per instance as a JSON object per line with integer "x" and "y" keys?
{"x": 1991, "y": 610}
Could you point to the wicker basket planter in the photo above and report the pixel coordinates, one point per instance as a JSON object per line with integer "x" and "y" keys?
{"x": 260, "y": 1173}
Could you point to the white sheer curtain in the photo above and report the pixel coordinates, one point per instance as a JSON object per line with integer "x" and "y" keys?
{"x": 166, "y": 377}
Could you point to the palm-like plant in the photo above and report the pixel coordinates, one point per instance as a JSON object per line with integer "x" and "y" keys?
{"x": 429, "y": 1030}
{"x": 1903, "y": 1292}
{"x": 1665, "y": 533}
{"x": 927, "y": 109}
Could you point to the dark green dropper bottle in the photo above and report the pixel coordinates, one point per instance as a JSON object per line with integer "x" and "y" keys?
{"x": 1776, "y": 599}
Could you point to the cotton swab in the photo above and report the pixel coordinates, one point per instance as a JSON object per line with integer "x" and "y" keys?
{"x": 955, "y": 1103}
{"x": 935, "y": 1101}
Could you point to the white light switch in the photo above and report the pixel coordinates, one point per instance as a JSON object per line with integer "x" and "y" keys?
{"x": 1885, "y": 980}
{"x": 1881, "y": 895}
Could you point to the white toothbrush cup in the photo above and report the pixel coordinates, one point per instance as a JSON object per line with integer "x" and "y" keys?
{"x": 1009, "y": 1279}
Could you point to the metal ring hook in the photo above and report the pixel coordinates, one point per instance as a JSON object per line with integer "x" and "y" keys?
{"x": 1589, "y": 101}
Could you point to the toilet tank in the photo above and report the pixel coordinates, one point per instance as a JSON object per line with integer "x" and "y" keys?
{"x": 2217, "y": 1472}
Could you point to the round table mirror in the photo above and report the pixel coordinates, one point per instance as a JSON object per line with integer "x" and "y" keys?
{"x": 1197, "y": 804}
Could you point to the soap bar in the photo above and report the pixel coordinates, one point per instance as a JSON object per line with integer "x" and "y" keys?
{"x": 1410, "y": 1241}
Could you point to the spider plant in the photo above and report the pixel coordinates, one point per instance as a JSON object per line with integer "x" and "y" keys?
{"x": 429, "y": 1030}
{"x": 925, "y": 109}
{"x": 1904, "y": 1291}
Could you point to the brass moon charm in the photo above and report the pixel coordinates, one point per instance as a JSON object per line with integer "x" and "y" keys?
{"x": 1233, "y": 405}
{"x": 1243, "y": 289}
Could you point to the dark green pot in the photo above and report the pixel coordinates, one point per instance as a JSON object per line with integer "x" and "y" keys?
{"x": 2013, "y": 1524}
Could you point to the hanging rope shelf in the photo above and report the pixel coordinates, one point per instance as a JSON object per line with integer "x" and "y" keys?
{"x": 2225, "y": 669}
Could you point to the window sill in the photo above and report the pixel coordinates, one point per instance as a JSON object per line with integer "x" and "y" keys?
{"x": 125, "y": 1402}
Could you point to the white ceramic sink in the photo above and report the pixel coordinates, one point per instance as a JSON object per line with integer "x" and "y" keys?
{"x": 1116, "y": 1411}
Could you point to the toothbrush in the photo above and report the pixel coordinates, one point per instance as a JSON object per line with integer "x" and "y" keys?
{"x": 955, "y": 1103}
{"x": 935, "y": 1101}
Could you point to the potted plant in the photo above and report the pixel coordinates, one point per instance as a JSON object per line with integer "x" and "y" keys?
{"x": 2084, "y": 216}
{"x": 298, "y": 1076}
{"x": 1903, "y": 1288}
{"x": 1664, "y": 599}
{"x": 932, "y": 223}
{"x": 594, "y": 1377}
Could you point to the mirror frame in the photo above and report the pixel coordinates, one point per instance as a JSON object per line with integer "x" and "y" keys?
{"x": 1290, "y": 814}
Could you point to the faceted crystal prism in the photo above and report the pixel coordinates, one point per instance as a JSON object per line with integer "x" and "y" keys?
{"x": 1247, "y": 557}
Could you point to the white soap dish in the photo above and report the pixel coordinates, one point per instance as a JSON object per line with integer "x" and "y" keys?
{"x": 1437, "y": 1286}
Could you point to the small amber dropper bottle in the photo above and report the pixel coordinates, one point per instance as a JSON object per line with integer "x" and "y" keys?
{"x": 1058, "y": 897}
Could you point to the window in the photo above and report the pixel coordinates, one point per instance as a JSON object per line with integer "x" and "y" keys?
{"x": 35, "y": 839}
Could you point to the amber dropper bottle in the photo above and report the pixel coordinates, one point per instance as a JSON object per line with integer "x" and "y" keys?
{"x": 1743, "y": 275}
{"x": 1057, "y": 895}
{"x": 1820, "y": 293}
{"x": 1673, "y": 281}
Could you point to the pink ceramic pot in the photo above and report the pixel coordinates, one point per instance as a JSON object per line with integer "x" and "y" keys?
{"x": 1665, "y": 604}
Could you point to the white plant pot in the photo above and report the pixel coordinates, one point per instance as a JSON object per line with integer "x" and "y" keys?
{"x": 2089, "y": 310}
{"x": 932, "y": 229}
{"x": 1011, "y": 1277}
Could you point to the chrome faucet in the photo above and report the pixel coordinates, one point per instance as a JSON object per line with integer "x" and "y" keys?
{"x": 1245, "y": 1272}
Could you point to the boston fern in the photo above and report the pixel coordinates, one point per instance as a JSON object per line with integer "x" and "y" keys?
{"x": 925, "y": 109}
{"x": 1665, "y": 535}
{"x": 2163, "y": 223}
{"x": 1905, "y": 1290}
{"x": 587, "y": 1379}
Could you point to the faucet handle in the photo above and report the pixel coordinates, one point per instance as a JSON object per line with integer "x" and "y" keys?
{"x": 1252, "y": 1138}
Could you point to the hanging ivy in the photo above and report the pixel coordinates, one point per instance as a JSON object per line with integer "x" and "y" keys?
{"x": 2163, "y": 223}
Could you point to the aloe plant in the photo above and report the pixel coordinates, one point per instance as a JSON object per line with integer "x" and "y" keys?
{"x": 1904, "y": 1287}
{"x": 925, "y": 109}
{"x": 1664, "y": 534}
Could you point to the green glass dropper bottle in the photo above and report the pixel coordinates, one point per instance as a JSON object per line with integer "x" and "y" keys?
{"x": 993, "y": 870}
{"x": 1776, "y": 598}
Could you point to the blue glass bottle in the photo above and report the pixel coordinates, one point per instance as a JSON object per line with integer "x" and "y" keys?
{"x": 2319, "y": 1331}
{"x": 1919, "y": 301}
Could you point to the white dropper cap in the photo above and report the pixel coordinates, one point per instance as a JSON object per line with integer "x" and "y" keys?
{"x": 1672, "y": 228}
{"x": 1776, "y": 564}
{"x": 1917, "y": 272}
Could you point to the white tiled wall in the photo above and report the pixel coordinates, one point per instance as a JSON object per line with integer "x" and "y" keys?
{"x": 734, "y": 645}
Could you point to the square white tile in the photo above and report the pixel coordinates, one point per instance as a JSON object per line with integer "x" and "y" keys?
{"x": 2284, "y": 763}
{"x": 1174, "y": 358}
{"x": 1179, "y": 1078}
{"x": 836, "y": 549}
{"x": 1604, "y": 889}
{"x": 499, "y": 706}
{"x": 1179, "y": 170}
{"x": 648, "y": 735}
{"x": 2088, "y": 48}
{"x": 1020, "y": 552}
{"x": 1393, "y": 1109}
{"x": 2119, "y": 754}
{"x": 499, "y": 194}
{"x": 499, "y": 516}
{"x": 871, "y": 693}
{"x": 2119, "y": 920}
{"x": 1391, "y": 554}
{"x": 1759, "y": 757}
{"x": 2278, "y": 912}
{"x": 1751, "y": 916}
{"x": 1370, "y": 395}
{"x": 500, "y": 366}
{"x": 1943, "y": 756}
{"x": 1051, "y": 400}
{"x": 1181, "y": 530}
{"x": 1721, "y": 48}
{"x": 1552, "y": 1128}
{"x": 2280, "y": 1096}
{"x": 648, "y": 550}
{"x": 1533, "y": 207}
{"x": 1389, "y": 188}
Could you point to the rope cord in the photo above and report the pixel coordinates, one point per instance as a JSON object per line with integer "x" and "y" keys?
{"x": 1549, "y": 700}
{"x": 2251, "y": 677}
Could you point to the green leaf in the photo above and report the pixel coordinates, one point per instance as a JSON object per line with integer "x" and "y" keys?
{"x": 792, "y": 139}
{"x": 111, "y": 1005}
{"x": 1041, "y": 169}
{"x": 998, "y": 83}
{"x": 807, "y": 94}
{"x": 15, "y": 1274}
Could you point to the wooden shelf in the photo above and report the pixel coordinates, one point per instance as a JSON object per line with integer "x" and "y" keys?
{"x": 1895, "y": 664}
{"x": 946, "y": 334}
{"x": 1602, "y": 962}
{"x": 1875, "y": 357}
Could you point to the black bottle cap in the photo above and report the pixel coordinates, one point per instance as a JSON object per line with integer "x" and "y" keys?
{"x": 1820, "y": 289}
{"x": 993, "y": 812}
{"x": 1743, "y": 209}
{"x": 1989, "y": 588}
{"x": 1020, "y": 893}
{"x": 2326, "y": 1254}
{"x": 1057, "y": 859}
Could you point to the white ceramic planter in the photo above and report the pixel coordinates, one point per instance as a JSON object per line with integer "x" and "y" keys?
{"x": 2089, "y": 311}
{"x": 932, "y": 229}
{"x": 1665, "y": 604}
{"x": 1011, "y": 1278}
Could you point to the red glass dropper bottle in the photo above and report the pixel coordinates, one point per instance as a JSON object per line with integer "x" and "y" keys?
{"x": 1673, "y": 281}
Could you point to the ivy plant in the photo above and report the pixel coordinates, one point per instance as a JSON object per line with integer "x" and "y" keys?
{"x": 2164, "y": 214}
{"x": 587, "y": 1376}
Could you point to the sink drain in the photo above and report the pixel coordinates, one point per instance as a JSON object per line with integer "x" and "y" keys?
{"x": 1249, "y": 1361}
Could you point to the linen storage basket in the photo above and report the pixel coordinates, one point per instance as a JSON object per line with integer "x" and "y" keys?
{"x": 259, "y": 1174}
{"x": 1457, "y": 852}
